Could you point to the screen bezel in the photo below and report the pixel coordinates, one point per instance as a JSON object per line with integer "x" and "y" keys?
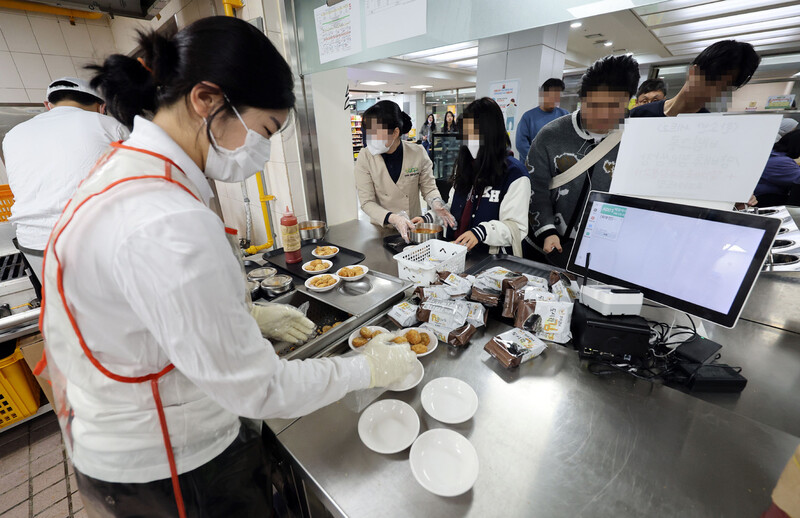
{"x": 769, "y": 225}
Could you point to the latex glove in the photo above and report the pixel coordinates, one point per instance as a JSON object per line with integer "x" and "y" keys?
{"x": 282, "y": 322}
{"x": 388, "y": 362}
{"x": 402, "y": 223}
{"x": 438, "y": 206}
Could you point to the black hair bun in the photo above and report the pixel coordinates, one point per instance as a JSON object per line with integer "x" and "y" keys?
{"x": 406, "y": 123}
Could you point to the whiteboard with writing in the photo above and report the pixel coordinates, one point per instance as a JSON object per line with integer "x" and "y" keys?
{"x": 705, "y": 157}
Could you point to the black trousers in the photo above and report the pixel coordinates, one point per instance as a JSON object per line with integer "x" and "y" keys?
{"x": 234, "y": 484}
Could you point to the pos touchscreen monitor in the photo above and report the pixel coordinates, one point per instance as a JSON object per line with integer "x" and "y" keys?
{"x": 701, "y": 261}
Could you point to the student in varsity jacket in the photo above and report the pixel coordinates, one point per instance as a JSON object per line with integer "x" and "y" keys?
{"x": 606, "y": 89}
{"x": 491, "y": 190}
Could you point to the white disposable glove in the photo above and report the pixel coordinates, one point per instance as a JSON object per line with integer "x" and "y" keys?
{"x": 388, "y": 362}
{"x": 438, "y": 206}
{"x": 402, "y": 223}
{"x": 282, "y": 322}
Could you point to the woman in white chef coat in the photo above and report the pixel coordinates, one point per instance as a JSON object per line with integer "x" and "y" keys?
{"x": 153, "y": 351}
{"x": 391, "y": 173}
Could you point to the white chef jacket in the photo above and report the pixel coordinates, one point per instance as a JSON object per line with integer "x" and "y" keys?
{"x": 151, "y": 279}
{"x": 46, "y": 158}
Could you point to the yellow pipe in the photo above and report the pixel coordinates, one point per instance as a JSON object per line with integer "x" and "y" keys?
{"x": 230, "y": 5}
{"x": 263, "y": 197}
{"x": 41, "y": 8}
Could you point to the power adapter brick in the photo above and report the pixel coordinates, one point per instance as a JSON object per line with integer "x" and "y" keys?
{"x": 714, "y": 378}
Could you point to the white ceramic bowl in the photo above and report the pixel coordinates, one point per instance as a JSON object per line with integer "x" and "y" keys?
{"x": 449, "y": 400}
{"x": 444, "y": 462}
{"x": 357, "y": 333}
{"x": 410, "y": 381}
{"x": 328, "y": 265}
{"x": 314, "y": 253}
{"x": 357, "y": 277}
{"x": 432, "y": 344}
{"x": 327, "y": 288}
{"x": 388, "y": 426}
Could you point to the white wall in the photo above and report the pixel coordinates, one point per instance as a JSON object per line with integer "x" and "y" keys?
{"x": 531, "y": 56}
{"x": 37, "y": 48}
{"x": 335, "y": 145}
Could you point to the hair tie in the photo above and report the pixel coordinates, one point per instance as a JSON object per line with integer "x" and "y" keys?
{"x": 141, "y": 62}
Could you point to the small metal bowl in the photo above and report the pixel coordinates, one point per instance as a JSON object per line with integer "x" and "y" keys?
{"x": 314, "y": 229}
{"x": 276, "y": 285}
{"x": 255, "y": 289}
{"x": 425, "y": 232}
{"x": 259, "y": 274}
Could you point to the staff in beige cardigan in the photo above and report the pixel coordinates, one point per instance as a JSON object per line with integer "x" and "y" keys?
{"x": 392, "y": 174}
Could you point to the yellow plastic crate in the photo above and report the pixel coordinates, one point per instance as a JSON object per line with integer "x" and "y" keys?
{"x": 6, "y": 201}
{"x": 19, "y": 392}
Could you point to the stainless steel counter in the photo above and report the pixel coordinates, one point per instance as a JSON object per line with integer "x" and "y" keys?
{"x": 555, "y": 440}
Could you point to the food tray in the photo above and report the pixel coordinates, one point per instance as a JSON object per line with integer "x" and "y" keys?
{"x": 420, "y": 263}
{"x": 345, "y": 257}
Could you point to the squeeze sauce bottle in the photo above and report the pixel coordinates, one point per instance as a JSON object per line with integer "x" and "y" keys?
{"x": 290, "y": 233}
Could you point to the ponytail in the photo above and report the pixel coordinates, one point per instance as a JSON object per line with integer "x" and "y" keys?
{"x": 389, "y": 115}
{"x": 225, "y": 51}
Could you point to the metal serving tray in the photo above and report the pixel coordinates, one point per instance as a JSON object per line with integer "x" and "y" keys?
{"x": 361, "y": 296}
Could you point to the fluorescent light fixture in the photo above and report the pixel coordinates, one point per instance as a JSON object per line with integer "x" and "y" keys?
{"x": 575, "y": 25}
{"x": 684, "y": 49}
{"x": 796, "y": 75}
{"x": 601, "y": 7}
{"x": 456, "y": 55}
{"x": 749, "y": 38}
{"x": 780, "y": 60}
{"x": 608, "y": 44}
{"x": 373, "y": 83}
{"x": 670, "y": 5}
{"x": 421, "y": 87}
{"x": 731, "y": 32}
{"x": 467, "y": 63}
{"x": 677, "y": 70}
{"x": 709, "y": 10}
{"x": 729, "y": 21}
{"x": 439, "y": 50}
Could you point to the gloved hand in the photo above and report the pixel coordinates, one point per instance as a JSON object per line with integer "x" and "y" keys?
{"x": 388, "y": 362}
{"x": 439, "y": 207}
{"x": 402, "y": 223}
{"x": 282, "y": 322}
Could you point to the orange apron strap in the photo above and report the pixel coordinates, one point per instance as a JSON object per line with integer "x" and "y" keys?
{"x": 176, "y": 487}
{"x": 41, "y": 365}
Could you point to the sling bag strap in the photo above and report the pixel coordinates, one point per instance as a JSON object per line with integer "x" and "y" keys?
{"x": 587, "y": 161}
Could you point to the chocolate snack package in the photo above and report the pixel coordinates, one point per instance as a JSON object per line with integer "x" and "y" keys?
{"x": 534, "y": 293}
{"x": 432, "y": 292}
{"x": 461, "y": 336}
{"x": 514, "y": 347}
{"x": 449, "y": 313}
{"x": 486, "y": 298}
{"x": 525, "y": 316}
{"x": 492, "y": 279}
{"x": 403, "y": 314}
{"x": 441, "y": 333}
{"x": 510, "y": 301}
{"x": 537, "y": 282}
{"x": 555, "y": 319}
{"x": 564, "y": 286}
{"x": 478, "y": 316}
{"x": 514, "y": 283}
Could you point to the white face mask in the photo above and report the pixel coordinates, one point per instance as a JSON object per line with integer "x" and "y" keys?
{"x": 473, "y": 146}
{"x": 378, "y": 147}
{"x": 236, "y": 165}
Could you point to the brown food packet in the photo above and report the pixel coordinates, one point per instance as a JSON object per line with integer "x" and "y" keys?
{"x": 555, "y": 276}
{"x": 524, "y": 310}
{"x": 442, "y": 276}
{"x": 502, "y": 354}
{"x": 423, "y": 314}
{"x": 461, "y": 336}
{"x": 514, "y": 283}
{"x": 509, "y": 303}
{"x": 484, "y": 297}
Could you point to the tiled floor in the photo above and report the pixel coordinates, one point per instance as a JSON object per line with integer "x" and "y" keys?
{"x": 36, "y": 479}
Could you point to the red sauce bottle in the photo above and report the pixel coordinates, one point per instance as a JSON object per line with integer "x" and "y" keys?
{"x": 290, "y": 234}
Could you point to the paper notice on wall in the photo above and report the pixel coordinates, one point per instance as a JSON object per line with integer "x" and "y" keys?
{"x": 703, "y": 157}
{"x": 506, "y": 95}
{"x": 338, "y": 30}
{"x": 387, "y": 21}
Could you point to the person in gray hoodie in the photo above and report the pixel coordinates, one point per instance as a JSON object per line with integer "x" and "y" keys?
{"x": 606, "y": 89}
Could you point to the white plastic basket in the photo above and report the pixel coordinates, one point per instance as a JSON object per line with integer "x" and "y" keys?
{"x": 420, "y": 263}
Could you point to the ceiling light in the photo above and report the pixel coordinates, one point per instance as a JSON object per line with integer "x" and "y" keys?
{"x": 729, "y": 21}
{"x": 575, "y": 25}
{"x": 792, "y": 21}
{"x": 707, "y": 10}
{"x": 608, "y": 43}
{"x": 601, "y": 7}
{"x": 439, "y": 50}
{"x": 457, "y": 55}
{"x": 421, "y": 87}
{"x": 796, "y": 75}
{"x": 373, "y": 83}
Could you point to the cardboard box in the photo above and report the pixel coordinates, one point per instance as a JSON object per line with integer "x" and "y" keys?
{"x": 32, "y": 348}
